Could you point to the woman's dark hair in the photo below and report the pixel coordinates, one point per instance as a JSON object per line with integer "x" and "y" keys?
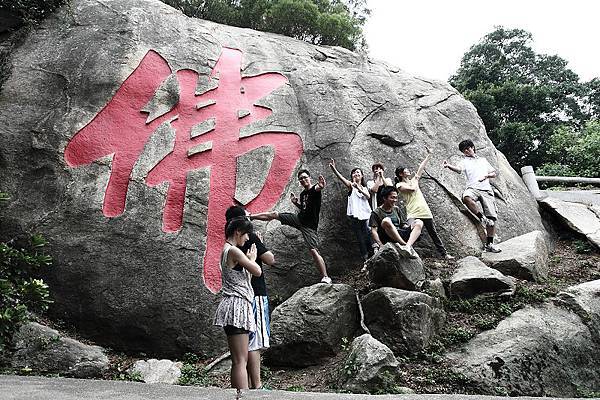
{"x": 397, "y": 173}
{"x": 362, "y": 178}
{"x": 234, "y": 211}
{"x": 465, "y": 144}
{"x": 240, "y": 224}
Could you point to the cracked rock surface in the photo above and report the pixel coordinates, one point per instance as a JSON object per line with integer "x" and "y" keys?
{"x": 123, "y": 281}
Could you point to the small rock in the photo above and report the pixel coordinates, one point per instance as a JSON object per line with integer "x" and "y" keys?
{"x": 157, "y": 371}
{"x": 388, "y": 268}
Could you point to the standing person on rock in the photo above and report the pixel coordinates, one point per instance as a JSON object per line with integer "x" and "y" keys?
{"x": 478, "y": 172}
{"x": 417, "y": 210}
{"x": 358, "y": 209}
{"x": 307, "y": 219}
{"x": 388, "y": 224}
{"x": 234, "y": 312}
{"x": 259, "y": 339}
{"x": 377, "y": 184}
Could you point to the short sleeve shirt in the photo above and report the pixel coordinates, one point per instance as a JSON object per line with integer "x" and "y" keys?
{"x": 475, "y": 168}
{"x": 396, "y": 216}
{"x": 310, "y": 207}
{"x": 258, "y": 282}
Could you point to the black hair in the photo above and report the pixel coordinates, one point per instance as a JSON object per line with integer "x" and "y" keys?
{"x": 385, "y": 192}
{"x": 362, "y": 178}
{"x": 397, "y": 173}
{"x": 378, "y": 164}
{"x": 465, "y": 144}
{"x": 303, "y": 171}
{"x": 234, "y": 211}
{"x": 240, "y": 224}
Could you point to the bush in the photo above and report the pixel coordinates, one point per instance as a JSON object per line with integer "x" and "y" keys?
{"x": 31, "y": 10}
{"x": 20, "y": 292}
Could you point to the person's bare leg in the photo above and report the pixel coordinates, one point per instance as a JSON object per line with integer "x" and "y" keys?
{"x": 253, "y": 369}
{"x": 415, "y": 232}
{"x": 391, "y": 231}
{"x": 265, "y": 216}
{"x": 238, "y": 346}
{"x": 319, "y": 262}
{"x": 491, "y": 230}
{"x": 471, "y": 205}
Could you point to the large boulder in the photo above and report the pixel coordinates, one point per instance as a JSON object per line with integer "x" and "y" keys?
{"x": 581, "y": 218}
{"x": 404, "y": 321}
{"x": 43, "y": 349}
{"x": 547, "y": 350}
{"x": 389, "y": 268}
{"x": 367, "y": 364}
{"x": 473, "y": 278}
{"x": 309, "y": 326}
{"x": 524, "y": 257}
{"x": 128, "y": 129}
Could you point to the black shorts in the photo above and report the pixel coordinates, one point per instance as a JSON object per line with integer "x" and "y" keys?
{"x": 231, "y": 330}
{"x": 404, "y": 234}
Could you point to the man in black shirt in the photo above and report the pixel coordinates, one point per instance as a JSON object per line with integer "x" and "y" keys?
{"x": 260, "y": 339}
{"x": 307, "y": 219}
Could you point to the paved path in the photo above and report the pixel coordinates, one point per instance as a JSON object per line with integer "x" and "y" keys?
{"x": 37, "y": 388}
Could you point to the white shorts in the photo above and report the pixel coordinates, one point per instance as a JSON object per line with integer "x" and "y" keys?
{"x": 259, "y": 339}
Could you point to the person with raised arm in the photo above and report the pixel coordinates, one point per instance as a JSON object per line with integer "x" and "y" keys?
{"x": 417, "y": 210}
{"x": 358, "y": 209}
{"x": 478, "y": 172}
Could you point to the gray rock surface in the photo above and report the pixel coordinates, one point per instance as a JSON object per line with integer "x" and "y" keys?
{"x": 473, "y": 278}
{"x": 367, "y": 362}
{"x": 524, "y": 257}
{"x": 310, "y": 325}
{"x": 125, "y": 282}
{"x": 550, "y": 350}
{"x": 157, "y": 371}
{"x": 44, "y": 349}
{"x": 404, "y": 321}
{"x": 388, "y": 268}
{"x": 582, "y": 218}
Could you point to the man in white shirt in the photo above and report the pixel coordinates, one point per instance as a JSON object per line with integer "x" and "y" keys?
{"x": 377, "y": 184}
{"x": 478, "y": 172}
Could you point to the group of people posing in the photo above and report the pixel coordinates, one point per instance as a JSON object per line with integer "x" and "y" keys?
{"x": 375, "y": 218}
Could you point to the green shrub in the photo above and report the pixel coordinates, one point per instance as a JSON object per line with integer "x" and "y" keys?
{"x": 193, "y": 374}
{"x": 21, "y": 293}
{"x": 31, "y": 10}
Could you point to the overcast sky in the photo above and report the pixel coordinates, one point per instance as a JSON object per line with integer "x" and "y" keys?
{"x": 429, "y": 37}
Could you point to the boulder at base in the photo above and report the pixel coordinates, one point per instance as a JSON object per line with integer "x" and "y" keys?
{"x": 157, "y": 371}
{"x": 548, "y": 350}
{"x": 473, "y": 278}
{"x": 581, "y": 218}
{"x": 310, "y": 325}
{"x": 127, "y": 129}
{"x": 45, "y": 350}
{"x": 389, "y": 268}
{"x": 404, "y": 321}
{"x": 368, "y": 364}
{"x": 524, "y": 257}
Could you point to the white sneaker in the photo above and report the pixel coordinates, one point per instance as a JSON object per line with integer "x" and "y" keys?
{"x": 491, "y": 248}
{"x": 406, "y": 251}
{"x": 449, "y": 257}
{"x": 326, "y": 280}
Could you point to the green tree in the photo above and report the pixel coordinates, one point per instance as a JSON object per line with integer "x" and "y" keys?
{"x": 521, "y": 96}
{"x": 574, "y": 153}
{"x": 323, "y": 22}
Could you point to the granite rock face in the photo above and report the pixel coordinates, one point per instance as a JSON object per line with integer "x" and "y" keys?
{"x": 404, "y": 321}
{"x": 309, "y": 326}
{"x": 549, "y": 350}
{"x": 389, "y": 268}
{"x": 473, "y": 278}
{"x": 581, "y": 218}
{"x": 524, "y": 257}
{"x": 45, "y": 350}
{"x": 124, "y": 184}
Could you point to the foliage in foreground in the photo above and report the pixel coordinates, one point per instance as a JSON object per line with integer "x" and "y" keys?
{"x": 20, "y": 292}
{"x": 30, "y": 10}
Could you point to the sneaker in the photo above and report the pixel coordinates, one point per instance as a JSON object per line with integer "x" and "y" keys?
{"x": 412, "y": 252}
{"x": 364, "y": 268}
{"x": 448, "y": 257}
{"x": 406, "y": 251}
{"x": 326, "y": 280}
{"x": 491, "y": 248}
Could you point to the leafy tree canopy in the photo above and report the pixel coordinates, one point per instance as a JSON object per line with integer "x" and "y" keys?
{"x": 323, "y": 22}
{"x": 523, "y": 97}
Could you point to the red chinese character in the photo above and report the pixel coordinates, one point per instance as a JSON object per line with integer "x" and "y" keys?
{"x": 121, "y": 129}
